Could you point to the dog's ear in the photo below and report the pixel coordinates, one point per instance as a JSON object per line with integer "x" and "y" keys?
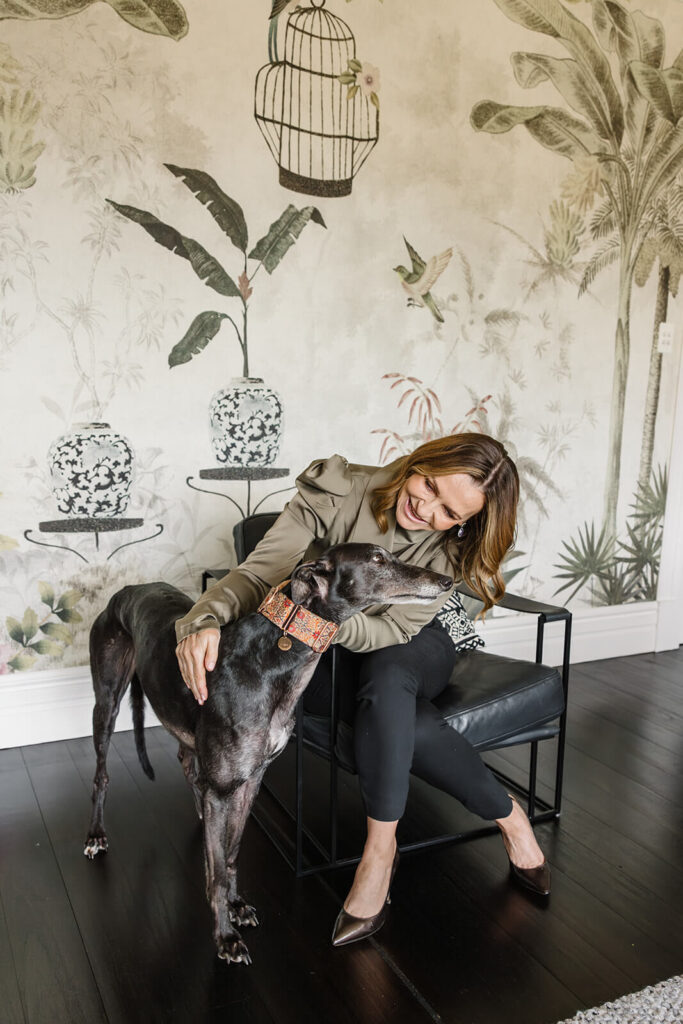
{"x": 310, "y": 580}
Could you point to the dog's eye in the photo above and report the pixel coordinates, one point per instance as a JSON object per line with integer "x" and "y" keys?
{"x": 377, "y": 558}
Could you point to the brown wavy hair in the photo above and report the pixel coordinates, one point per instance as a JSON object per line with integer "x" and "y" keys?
{"x": 477, "y": 556}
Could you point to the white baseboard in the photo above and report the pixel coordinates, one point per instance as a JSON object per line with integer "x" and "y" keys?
{"x": 38, "y": 707}
{"x": 669, "y": 624}
{"x": 597, "y": 633}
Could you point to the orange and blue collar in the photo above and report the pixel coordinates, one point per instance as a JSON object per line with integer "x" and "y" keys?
{"x": 314, "y": 631}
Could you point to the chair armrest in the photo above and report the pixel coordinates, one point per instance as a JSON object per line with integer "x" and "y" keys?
{"x": 517, "y": 603}
{"x": 545, "y": 613}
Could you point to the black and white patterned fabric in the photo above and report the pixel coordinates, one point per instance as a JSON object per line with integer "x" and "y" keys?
{"x": 458, "y": 624}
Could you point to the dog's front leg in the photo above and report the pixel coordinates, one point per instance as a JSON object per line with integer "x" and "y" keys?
{"x": 189, "y": 762}
{"x": 224, "y": 821}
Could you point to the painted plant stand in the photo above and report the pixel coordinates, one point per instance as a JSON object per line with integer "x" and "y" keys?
{"x": 93, "y": 524}
{"x": 244, "y": 473}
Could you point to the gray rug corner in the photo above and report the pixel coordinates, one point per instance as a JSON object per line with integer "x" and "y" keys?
{"x": 656, "y": 1004}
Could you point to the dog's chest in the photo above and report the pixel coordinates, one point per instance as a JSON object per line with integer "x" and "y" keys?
{"x": 282, "y": 718}
{"x": 277, "y": 737}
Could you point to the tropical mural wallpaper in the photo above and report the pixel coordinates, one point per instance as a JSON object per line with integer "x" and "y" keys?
{"x": 497, "y": 255}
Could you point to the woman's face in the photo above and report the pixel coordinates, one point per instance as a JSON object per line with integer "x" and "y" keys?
{"x": 437, "y": 502}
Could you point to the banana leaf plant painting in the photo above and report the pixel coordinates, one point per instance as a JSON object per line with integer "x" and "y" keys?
{"x": 159, "y": 17}
{"x": 245, "y": 418}
{"x": 228, "y": 214}
{"x": 624, "y": 137}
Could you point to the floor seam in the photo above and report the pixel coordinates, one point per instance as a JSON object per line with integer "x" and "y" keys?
{"x": 105, "y": 1015}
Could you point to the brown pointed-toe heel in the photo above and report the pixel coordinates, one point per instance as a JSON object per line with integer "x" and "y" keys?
{"x": 348, "y": 928}
{"x": 535, "y": 880}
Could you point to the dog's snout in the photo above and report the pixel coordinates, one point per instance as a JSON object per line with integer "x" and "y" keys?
{"x": 445, "y": 582}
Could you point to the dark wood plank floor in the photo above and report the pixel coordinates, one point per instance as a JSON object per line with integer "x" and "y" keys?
{"x": 127, "y": 938}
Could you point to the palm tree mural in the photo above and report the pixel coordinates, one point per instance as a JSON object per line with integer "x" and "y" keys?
{"x": 664, "y": 247}
{"x": 625, "y": 143}
{"x": 616, "y": 571}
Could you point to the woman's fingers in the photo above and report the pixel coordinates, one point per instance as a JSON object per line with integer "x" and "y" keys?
{"x": 211, "y": 656}
{"x": 196, "y": 654}
{"x": 185, "y": 662}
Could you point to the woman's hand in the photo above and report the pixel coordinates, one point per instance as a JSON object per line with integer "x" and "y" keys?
{"x": 197, "y": 655}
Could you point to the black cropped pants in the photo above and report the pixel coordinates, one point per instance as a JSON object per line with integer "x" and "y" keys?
{"x": 387, "y": 695}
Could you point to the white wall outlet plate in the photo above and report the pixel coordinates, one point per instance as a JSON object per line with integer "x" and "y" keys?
{"x": 665, "y": 340}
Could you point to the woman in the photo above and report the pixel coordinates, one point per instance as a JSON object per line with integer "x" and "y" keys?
{"x": 449, "y": 506}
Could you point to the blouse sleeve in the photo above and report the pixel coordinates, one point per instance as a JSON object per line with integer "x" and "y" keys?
{"x": 397, "y": 625}
{"x": 321, "y": 490}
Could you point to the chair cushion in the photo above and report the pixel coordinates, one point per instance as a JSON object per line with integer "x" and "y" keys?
{"x": 491, "y": 700}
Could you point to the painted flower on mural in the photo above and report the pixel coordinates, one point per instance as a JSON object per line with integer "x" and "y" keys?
{"x": 368, "y": 79}
{"x": 363, "y": 76}
{"x": 583, "y": 184}
{"x": 243, "y": 285}
{"x": 38, "y": 635}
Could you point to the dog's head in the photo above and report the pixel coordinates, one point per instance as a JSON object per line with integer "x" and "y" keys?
{"x": 350, "y": 577}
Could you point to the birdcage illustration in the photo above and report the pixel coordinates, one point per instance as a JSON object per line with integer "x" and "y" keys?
{"x": 320, "y": 137}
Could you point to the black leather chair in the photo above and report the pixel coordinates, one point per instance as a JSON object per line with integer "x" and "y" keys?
{"x": 494, "y": 701}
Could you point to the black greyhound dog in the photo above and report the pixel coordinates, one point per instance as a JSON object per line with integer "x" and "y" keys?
{"x": 227, "y": 744}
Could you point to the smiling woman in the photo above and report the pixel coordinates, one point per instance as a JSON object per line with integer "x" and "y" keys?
{"x": 466, "y": 481}
{"x": 432, "y": 504}
{"x": 450, "y": 507}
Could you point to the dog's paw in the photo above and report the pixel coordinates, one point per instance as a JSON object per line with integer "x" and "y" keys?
{"x": 95, "y": 845}
{"x": 233, "y": 951}
{"x": 241, "y": 914}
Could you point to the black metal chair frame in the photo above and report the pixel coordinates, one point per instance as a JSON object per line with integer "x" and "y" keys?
{"x": 538, "y": 809}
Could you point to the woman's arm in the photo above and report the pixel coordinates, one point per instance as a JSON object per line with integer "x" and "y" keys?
{"x": 321, "y": 489}
{"x": 397, "y": 625}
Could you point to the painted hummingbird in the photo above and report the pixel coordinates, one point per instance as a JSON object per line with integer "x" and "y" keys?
{"x": 419, "y": 281}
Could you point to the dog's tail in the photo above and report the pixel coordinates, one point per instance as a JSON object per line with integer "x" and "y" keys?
{"x": 137, "y": 704}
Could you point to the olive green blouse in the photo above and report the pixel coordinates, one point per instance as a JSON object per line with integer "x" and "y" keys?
{"x": 331, "y": 506}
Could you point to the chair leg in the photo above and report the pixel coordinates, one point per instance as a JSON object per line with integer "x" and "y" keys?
{"x": 559, "y": 773}
{"x": 299, "y": 817}
{"x": 533, "y": 767}
{"x": 334, "y": 767}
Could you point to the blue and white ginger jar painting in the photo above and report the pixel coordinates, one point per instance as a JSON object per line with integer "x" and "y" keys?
{"x": 91, "y": 470}
{"x": 246, "y": 423}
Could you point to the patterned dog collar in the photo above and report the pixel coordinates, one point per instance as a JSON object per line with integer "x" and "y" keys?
{"x": 314, "y": 631}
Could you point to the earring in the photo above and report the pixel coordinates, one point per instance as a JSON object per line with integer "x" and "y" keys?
{"x": 461, "y": 531}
